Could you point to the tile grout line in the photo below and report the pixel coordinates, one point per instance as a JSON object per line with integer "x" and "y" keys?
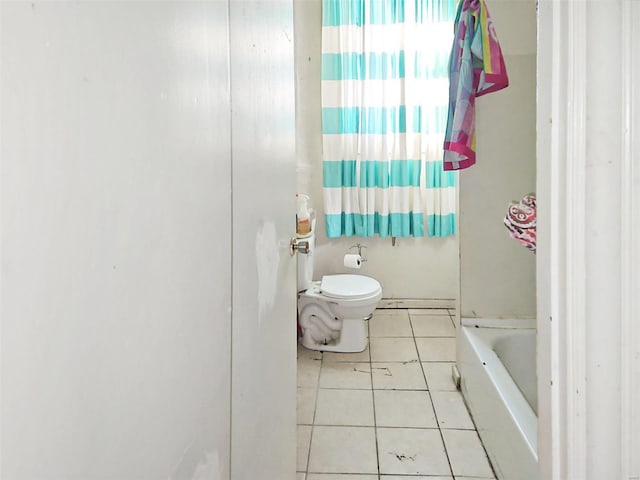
{"x": 373, "y": 397}
{"x": 315, "y": 407}
{"x": 453, "y": 320}
{"x": 435, "y": 414}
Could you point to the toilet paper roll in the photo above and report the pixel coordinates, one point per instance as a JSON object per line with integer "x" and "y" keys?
{"x": 352, "y": 260}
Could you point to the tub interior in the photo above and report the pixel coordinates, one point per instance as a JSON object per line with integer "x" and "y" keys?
{"x": 517, "y": 352}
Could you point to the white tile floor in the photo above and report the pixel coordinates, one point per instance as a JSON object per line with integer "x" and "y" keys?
{"x": 391, "y": 412}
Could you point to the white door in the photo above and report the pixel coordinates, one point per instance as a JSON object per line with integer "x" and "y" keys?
{"x": 264, "y": 309}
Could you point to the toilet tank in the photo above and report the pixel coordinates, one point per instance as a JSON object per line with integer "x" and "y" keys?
{"x": 305, "y": 263}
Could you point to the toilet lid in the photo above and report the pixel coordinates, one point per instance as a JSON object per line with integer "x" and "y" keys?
{"x": 348, "y": 286}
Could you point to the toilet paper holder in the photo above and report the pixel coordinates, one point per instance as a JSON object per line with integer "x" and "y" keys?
{"x": 359, "y": 247}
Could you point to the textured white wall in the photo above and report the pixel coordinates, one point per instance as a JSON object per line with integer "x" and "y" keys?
{"x": 115, "y": 240}
{"x": 498, "y": 276}
{"x": 414, "y": 268}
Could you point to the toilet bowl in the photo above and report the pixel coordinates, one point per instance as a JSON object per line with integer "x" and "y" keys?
{"x": 332, "y": 312}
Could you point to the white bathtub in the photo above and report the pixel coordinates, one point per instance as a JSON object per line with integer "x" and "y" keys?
{"x": 496, "y": 360}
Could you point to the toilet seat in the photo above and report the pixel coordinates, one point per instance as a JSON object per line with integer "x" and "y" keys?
{"x": 348, "y": 286}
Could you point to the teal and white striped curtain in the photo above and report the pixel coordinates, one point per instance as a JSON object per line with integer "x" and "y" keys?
{"x": 384, "y": 112}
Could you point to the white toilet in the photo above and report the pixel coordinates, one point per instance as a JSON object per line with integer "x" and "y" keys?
{"x": 332, "y": 312}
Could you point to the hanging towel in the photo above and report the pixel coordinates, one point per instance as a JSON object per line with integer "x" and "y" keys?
{"x": 476, "y": 67}
{"x": 521, "y": 221}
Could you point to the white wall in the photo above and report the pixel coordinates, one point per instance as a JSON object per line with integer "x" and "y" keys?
{"x": 115, "y": 166}
{"x": 497, "y": 273}
{"x": 423, "y": 268}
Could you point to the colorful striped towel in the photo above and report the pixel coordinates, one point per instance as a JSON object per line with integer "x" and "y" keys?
{"x": 476, "y": 67}
{"x": 521, "y": 221}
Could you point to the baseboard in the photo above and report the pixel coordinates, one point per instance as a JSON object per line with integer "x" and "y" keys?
{"x": 417, "y": 303}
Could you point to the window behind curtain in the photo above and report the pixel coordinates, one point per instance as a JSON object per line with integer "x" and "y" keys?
{"x": 385, "y": 99}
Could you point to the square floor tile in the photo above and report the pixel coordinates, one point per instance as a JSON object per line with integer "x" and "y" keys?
{"x": 422, "y": 304}
{"x": 401, "y": 408}
{"x": 303, "y": 437}
{"x": 301, "y": 476}
{"x": 466, "y": 454}
{"x": 344, "y": 407}
{"x": 346, "y": 357}
{"x": 345, "y": 375}
{"x": 413, "y": 477}
{"x": 392, "y": 312}
{"x": 439, "y": 376}
{"x": 334, "y": 476}
{"x": 306, "y": 354}
{"x": 387, "y": 304}
{"x": 474, "y": 478}
{"x": 305, "y": 405}
{"x": 390, "y": 324}
{"x": 343, "y": 450}
{"x": 437, "y": 349}
{"x": 432, "y": 326}
{"x": 412, "y": 451}
{"x": 428, "y": 311}
{"x": 398, "y": 376}
{"x": 451, "y": 410}
{"x": 308, "y": 372}
{"x": 393, "y": 350}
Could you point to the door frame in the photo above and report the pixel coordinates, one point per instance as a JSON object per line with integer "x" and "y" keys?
{"x": 574, "y": 391}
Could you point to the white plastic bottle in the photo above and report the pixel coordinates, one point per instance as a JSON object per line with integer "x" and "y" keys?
{"x": 304, "y": 216}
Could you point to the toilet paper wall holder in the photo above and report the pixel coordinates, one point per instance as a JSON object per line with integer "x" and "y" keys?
{"x": 362, "y": 251}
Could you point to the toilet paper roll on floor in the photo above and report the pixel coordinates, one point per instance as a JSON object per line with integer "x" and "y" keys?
{"x": 352, "y": 260}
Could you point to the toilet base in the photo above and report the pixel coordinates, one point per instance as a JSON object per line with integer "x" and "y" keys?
{"x": 353, "y": 338}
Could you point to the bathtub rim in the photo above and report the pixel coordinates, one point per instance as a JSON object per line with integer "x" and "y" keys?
{"x": 510, "y": 323}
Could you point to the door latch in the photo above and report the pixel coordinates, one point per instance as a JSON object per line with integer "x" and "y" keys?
{"x": 296, "y": 245}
